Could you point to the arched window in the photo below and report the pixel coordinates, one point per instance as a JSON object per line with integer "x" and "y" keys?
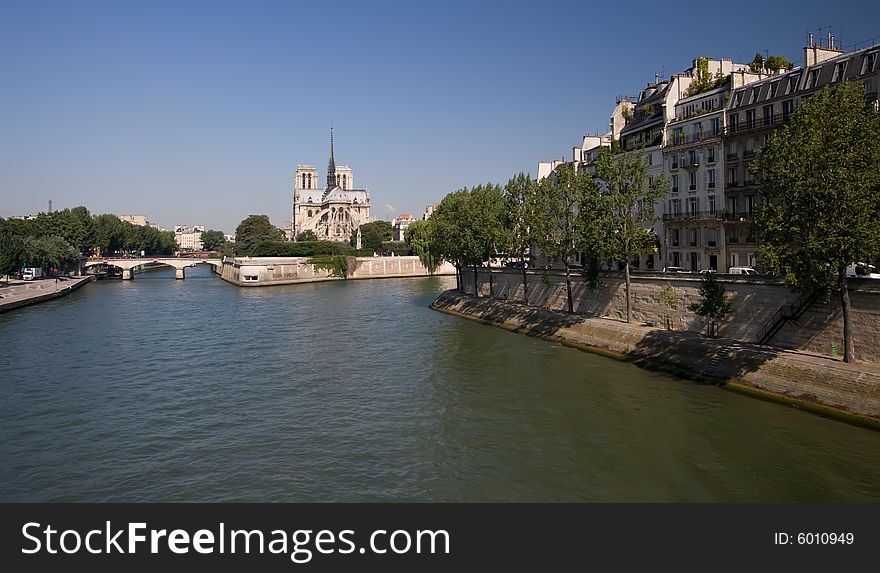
{"x": 310, "y": 213}
{"x": 304, "y": 181}
{"x": 310, "y": 181}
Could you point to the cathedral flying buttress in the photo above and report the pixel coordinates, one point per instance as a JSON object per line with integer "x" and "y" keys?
{"x": 333, "y": 212}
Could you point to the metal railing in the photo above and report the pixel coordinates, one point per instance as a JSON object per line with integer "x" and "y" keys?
{"x": 693, "y": 216}
{"x": 785, "y": 313}
{"x": 757, "y": 123}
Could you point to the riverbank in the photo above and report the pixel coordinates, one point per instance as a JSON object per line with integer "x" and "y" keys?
{"x": 23, "y": 293}
{"x": 828, "y": 387}
{"x": 272, "y": 271}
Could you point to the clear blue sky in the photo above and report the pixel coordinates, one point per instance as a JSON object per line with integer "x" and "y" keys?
{"x": 198, "y": 112}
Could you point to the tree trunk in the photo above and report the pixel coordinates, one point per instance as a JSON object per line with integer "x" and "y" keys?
{"x": 626, "y": 275}
{"x": 458, "y": 283}
{"x": 525, "y": 282}
{"x": 476, "y": 291}
{"x": 568, "y": 288}
{"x": 491, "y": 286}
{"x": 849, "y": 350}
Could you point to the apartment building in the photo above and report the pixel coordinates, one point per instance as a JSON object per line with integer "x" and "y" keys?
{"x": 756, "y": 109}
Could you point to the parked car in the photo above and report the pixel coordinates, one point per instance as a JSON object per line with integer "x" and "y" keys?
{"x": 742, "y": 271}
{"x": 706, "y": 271}
{"x": 675, "y": 270}
{"x": 517, "y": 264}
{"x": 862, "y": 270}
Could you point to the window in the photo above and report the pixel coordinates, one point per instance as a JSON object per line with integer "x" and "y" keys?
{"x": 787, "y": 109}
{"x": 678, "y": 136}
{"x": 693, "y": 181}
{"x": 774, "y": 87}
{"x": 710, "y": 155}
{"x": 738, "y": 98}
{"x": 693, "y": 202}
{"x": 712, "y": 207}
{"x": 711, "y": 174}
{"x": 711, "y": 237}
{"x": 675, "y": 183}
{"x": 694, "y": 240}
{"x": 675, "y": 160}
{"x": 753, "y": 95}
{"x": 716, "y": 126}
{"x": 251, "y": 277}
{"x": 675, "y": 237}
{"x": 869, "y": 62}
{"x": 698, "y": 130}
{"x": 792, "y": 83}
{"x": 650, "y": 159}
{"x": 692, "y": 157}
{"x": 813, "y": 78}
{"x": 768, "y": 114}
{"x": 304, "y": 181}
{"x": 731, "y": 177}
{"x": 734, "y": 122}
{"x": 310, "y": 214}
{"x": 839, "y": 71}
{"x": 676, "y": 206}
{"x": 750, "y": 119}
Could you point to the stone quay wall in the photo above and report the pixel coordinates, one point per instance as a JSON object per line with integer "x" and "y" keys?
{"x": 755, "y": 300}
{"x": 270, "y": 271}
{"x": 819, "y": 384}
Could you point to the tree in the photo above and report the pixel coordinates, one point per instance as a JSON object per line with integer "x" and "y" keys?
{"x": 254, "y": 230}
{"x": 626, "y": 209}
{"x": 307, "y": 235}
{"x": 520, "y": 197}
{"x": 451, "y": 231}
{"x": 821, "y": 185}
{"x": 668, "y": 298}
{"x": 713, "y": 302}
{"x": 778, "y": 62}
{"x": 213, "y": 240}
{"x": 11, "y": 250}
{"x": 560, "y": 216}
{"x": 757, "y": 64}
{"x": 109, "y": 233}
{"x": 487, "y": 205}
{"x": 419, "y": 235}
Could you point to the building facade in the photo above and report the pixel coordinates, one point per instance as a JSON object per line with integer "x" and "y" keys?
{"x": 333, "y": 212}
{"x": 189, "y": 238}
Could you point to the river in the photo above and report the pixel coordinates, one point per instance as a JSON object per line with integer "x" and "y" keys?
{"x": 163, "y": 390}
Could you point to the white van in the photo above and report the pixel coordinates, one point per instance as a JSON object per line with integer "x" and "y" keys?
{"x": 742, "y": 271}
{"x": 31, "y": 273}
{"x": 862, "y": 270}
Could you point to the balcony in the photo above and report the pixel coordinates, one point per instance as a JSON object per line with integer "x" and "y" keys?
{"x": 753, "y": 124}
{"x": 693, "y": 216}
{"x": 675, "y": 189}
{"x": 692, "y": 138}
{"x": 692, "y": 187}
{"x": 748, "y": 153}
{"x": 691, "y": 164}
{"x": 742, "y": 217}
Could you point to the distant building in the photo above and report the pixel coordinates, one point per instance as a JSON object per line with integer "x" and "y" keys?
{"x": 334, "y": 212}
{"x": 229, "y": 238}
{"x": 399, "y": 225}
{"x": 189, "y": 238}
{"x": 429, "y": 210}
{"x": 139, "y": 220}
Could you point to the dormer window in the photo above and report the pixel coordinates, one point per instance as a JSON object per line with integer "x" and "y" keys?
{"x": 754, "y": 95}
{"x": 774, "y": 87}
{"x": 738, "y": 98}
{"x": 792, "y": 84}
{"x": 869, "y": 62}
{"x": 839, "y": 71}
{"x": 813, "y": 78}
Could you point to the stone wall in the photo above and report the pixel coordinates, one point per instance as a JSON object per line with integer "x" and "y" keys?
{"x": 755, "y": 300}
{"x": 269, "y": 271}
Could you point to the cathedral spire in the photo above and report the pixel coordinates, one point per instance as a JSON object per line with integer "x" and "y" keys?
{"x": 331, "y": 165}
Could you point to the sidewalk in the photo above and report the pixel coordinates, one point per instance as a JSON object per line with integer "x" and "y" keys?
{"x": 22, "y": 293}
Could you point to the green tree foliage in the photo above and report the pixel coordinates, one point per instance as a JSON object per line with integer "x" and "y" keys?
{"x": 778, "y": 62}
{"x": 626, "y": 209}
{"x": 517, "y": 221}
{"x": 109, "y": 234}
{"x": 254, "y": 230}
{"x": 467, "y": 226}
{"x": 705, "y": 81}
{"x": 213, "y": 240}
{"x": 301, "y": 249}
{"x": 49, "y": 252}
{"x": 335, "y": 265}
{"x": 373, "y": 235}
{"x": 419, "y": 235}
{"x": 307, "y": 235}
{"x": 757, "y": 64}
{"x": 560, "y": 216}
{"x": 11, "y": 250}
{"x": 667, "y": 297}
{"x": 821, "y": 182}
{"x": 713, "y": 302}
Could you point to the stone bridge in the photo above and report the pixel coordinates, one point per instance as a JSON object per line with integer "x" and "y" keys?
{"x": 128, "y": 266}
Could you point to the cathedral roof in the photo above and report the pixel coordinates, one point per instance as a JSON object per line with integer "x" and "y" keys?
{"x": 340, "y": 195}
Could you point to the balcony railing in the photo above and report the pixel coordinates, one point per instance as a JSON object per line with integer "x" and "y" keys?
{"x": 692, "y": 187}
{"x": 757, "y": 123}
{"x": 748, "y": 153}
{"x": 675, "y": 189}
{"x": 742, "y": 217}
{"x": 693, "y": 216}
{"x": 692, "y": 138}
{"x": 732, "y": 155}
